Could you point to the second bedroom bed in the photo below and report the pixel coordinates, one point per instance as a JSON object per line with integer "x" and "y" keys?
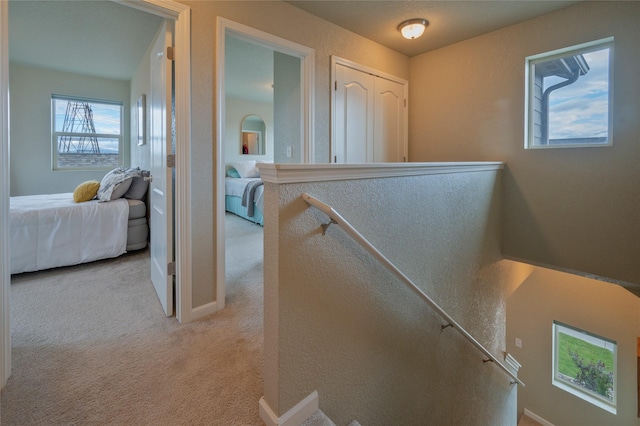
{"x": 245, "y": 198}
{"x": 244, "y": 191}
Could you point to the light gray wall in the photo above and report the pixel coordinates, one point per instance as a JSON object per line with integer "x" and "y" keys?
{"x": 591, "y": 305}
{"x": 236, "y": 111}
{"x": 572, "y": 208}
{"x": 337, "y": 322}
{"x": 287, "y": 111}
{"x": 140, "y": 85}
{"x": 275, "y": 18}
{"x": 30, "y": 126}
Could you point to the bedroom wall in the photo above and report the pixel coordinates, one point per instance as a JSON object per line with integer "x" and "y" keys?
{"x": 338, "y": 322}
{"x": 572, "y": 209}
{"x": 283, "y": 20}
{"x": 30, "y": 126}
{"x": 140, "y": 84}
{"x": 236, "y": 110}
{"x": 591, "y": 305}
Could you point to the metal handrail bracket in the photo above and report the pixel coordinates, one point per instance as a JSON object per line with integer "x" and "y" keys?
{"x": 337, "y": 219}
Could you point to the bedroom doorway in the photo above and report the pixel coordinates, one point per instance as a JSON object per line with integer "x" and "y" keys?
{"x": 291, "y": 71}
{"x": 170, "y": 10}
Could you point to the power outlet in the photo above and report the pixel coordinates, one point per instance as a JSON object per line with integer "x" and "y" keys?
{"x": 289, "y": 151}
{"x": 518, "y": 343}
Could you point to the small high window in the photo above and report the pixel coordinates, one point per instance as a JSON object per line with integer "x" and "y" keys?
{"x": 87, "y": 133}
{"x": 569, "y": 97}
{"x": 585, "y": 365}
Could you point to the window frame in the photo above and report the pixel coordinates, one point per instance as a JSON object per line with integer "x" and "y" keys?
{"x": 55, "y": 134}
{"x": 530, "y": 111}
{"x": 578, "y": 391}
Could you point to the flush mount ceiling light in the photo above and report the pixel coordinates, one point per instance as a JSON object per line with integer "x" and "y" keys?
{"x": 413, "y": 28}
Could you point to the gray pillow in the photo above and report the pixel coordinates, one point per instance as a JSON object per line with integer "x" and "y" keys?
{"x": 139, "y": 186}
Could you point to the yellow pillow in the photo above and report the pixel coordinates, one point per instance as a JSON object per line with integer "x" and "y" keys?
{"x": 86, "y": 191}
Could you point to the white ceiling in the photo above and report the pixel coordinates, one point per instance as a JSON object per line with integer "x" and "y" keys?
{"x": 99, "y": 38}
{"x": 449, "y": 21}
{"x": 108, "y": 39}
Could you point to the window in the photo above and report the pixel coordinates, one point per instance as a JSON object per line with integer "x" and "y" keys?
{"x": 87, "y": 133}
{"x": 585, "y": 365}
{"x": 569, "y": 97}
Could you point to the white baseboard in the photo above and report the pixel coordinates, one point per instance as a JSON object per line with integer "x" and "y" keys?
{"x": 537, "y": 418}
{"x": 298, "y": 414}
{"x": 203, "y": 311}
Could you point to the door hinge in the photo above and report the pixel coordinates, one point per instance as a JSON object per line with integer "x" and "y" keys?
{"x": 405, "y": 103}
{"x": 335, "y": 158}
{"x": 170, "y": 53}
{"x": 171, "y": 160}
{"x": 336, "y": 85}
{"x": 171, "y": 268}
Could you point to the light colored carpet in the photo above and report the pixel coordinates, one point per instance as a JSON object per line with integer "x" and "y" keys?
{"x": 92, "y": 346}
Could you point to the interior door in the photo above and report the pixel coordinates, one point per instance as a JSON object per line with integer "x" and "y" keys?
{"x": 353, "y": 116}
{"x": 161, "y": 195}
{"x": 389, "y": 134}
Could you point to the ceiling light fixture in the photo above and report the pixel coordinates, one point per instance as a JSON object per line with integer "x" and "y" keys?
{"x": 413, "y": 28}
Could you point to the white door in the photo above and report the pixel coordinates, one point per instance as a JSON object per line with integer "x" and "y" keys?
{"x": 353, "y": 116}
{"x": 389, "y": 122}
{"x": 161, "y": 196}
{"x": 369, "y": 117}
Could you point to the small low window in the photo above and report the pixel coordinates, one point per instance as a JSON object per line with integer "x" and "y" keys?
{"x": 87, "y": 133}
{"x": 584, "y": 365}
{"x": 569, "y": 97}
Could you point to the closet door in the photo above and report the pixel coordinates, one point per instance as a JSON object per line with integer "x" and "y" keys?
{"x": 389, "y": 122}
{"x": 369, "y": 116}
{"x": 353, "y": 116}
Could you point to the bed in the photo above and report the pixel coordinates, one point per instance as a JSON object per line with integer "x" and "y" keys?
{"x": 244, "y": 191}
{"x": 53, "y": 230}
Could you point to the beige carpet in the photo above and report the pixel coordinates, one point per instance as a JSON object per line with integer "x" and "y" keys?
{"x": 91, "y": 346}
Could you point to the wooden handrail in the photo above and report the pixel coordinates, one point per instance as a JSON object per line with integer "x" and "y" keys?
{"x": 349, "y": 229}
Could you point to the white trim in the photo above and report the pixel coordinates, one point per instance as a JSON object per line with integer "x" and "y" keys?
{"x": 181, "y": 14}
{"x": 307, "y": 61}
{"x": 299, "y": 173}
{"x": 295, "y": 416}
{"x": 5, "y": 276}
{"x": 203, "y": 311}
{"x": 537, "y": 418}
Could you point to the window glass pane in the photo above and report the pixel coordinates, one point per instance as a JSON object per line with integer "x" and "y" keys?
{"x": 87, "y": 133}
{"x": 570, "y": 98}
{"x": 585, "y": 365}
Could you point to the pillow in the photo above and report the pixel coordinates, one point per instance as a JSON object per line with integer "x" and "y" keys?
{"x": 246, "y": 169}
{"x": 233, "y": 173}
{"x": 116, "y": 183}
{"x": 86, "y": 191}
{"x": 138, "y": 186}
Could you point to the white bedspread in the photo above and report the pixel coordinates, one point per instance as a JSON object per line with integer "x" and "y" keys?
{"x": 48, "y": 231}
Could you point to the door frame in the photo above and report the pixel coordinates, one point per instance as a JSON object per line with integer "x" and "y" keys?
{"x": 307, "y": 73}
{"x": 167, "y": 9}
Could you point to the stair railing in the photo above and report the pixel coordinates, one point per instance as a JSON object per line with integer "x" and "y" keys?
{"x": 336, "y": 218}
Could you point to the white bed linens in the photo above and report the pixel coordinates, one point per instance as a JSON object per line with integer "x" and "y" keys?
{"x": 51, "y": 230}
{"x": 236, "y": 186}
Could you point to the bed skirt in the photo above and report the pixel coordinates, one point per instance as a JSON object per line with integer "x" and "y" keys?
{"x": 234, "y": 205}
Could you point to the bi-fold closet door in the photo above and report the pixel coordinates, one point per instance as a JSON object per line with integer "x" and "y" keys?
{"x": 369, "y": 115}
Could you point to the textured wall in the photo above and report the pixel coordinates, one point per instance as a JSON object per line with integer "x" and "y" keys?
{"x": 570, "y": 208}
{"x": 597, "y": 307}
{"x": 337, "y": 322}
{"x": 282, "y": 20}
